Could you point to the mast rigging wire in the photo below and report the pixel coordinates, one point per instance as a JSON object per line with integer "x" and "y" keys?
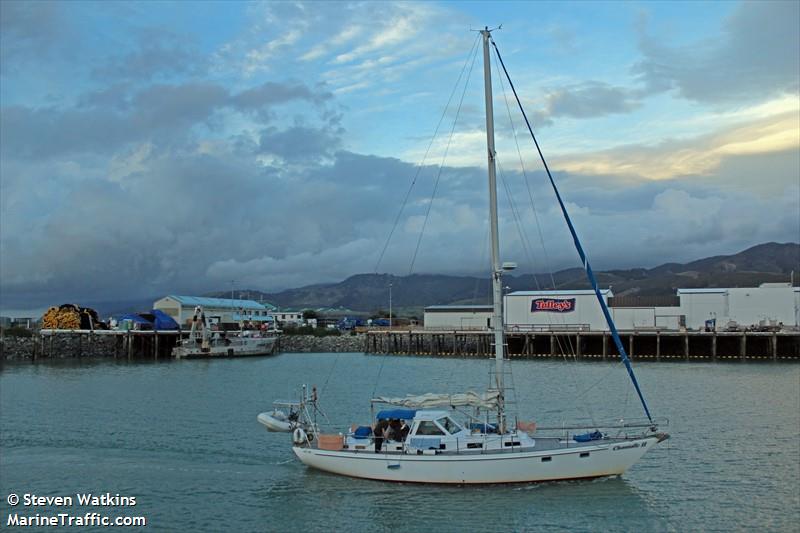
{"x": 425, "y": 157}
{"x": 584, "y": 260}
{"x": 441, "y": 167}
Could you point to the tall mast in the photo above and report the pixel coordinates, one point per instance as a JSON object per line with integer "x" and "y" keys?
{"x": 497, "y": 271}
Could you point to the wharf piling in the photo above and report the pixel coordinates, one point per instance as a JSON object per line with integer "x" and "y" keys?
{"x": 594, "y": 345}
{"x": 133, "y": 344}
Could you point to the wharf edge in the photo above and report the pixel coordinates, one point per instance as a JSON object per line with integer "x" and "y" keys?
{"x": 583, "y": 345}
{"x": 594, "y": 345}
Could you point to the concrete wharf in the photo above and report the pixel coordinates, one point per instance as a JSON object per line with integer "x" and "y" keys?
{"x": 594, "y": 345}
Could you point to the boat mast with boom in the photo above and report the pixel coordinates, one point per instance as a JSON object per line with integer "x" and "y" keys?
{"x": 438, "y": 449}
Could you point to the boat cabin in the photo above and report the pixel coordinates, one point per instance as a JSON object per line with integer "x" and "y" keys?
{"x": 436, "y": 431}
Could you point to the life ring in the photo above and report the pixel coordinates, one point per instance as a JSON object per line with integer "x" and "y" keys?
{"x": 299, "y": 436}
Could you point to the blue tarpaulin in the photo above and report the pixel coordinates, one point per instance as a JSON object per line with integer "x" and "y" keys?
{"x": 586, "y": 437}
{"x": 400, "y": 414}
{"x": 154, "y": 319}
{"x": 136, "y": 319}
{"x": 162, "y": 321}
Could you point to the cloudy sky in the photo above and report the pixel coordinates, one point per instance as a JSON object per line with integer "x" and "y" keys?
{"x": 171, "y": 147}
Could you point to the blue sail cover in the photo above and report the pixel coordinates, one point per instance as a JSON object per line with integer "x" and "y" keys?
{"x": 400, "y": 414}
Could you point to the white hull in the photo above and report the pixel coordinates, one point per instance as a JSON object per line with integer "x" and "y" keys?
{"x": 579, "y": 462}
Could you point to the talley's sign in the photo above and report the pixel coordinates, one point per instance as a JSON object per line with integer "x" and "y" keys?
{"x": 553, "y": 305}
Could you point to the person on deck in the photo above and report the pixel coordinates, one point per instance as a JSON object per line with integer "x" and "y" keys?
{"x": 380, "y": 431}
{"x": 394, "y": 429}
{"x": 403, "y": 431}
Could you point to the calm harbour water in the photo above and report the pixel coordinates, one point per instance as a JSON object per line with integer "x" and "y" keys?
{"x": 182, "y": 437}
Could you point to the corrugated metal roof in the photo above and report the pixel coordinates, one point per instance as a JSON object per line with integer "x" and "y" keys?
{"x": 578, "y": 292}
{"x": 220, "y": 302}
{"x": 237, "y": 316}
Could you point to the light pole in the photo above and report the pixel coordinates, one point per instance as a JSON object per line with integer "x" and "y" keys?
{"x": 390, "y": 305}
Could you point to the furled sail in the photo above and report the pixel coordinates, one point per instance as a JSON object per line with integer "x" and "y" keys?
{"x": 487, "y": 400}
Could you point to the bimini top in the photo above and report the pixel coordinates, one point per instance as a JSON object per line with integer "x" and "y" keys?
{"x": 400, "y": 414}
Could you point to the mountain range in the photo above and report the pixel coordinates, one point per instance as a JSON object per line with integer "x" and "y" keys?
{"x": 769, "y": 262}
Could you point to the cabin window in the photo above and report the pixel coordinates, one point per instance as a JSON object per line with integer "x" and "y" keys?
{"x": 585, "y": 454}
{"x": 426, "y": 427}
{"x": 546, "y": 459}
{"x": 474, "y": 445}
{"x": 450, "y": 426}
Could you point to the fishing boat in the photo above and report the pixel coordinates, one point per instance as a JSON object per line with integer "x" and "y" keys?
{"x": 202, "y": 342}
{"x": 469, "y": 438}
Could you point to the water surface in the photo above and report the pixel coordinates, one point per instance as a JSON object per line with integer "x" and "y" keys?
{"x": 182, "y": 437}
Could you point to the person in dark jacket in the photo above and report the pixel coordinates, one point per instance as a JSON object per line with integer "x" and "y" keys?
{"x": 380, "y": 432}
{"x": 394, "y": 430}
{"x": 403, "y": 431}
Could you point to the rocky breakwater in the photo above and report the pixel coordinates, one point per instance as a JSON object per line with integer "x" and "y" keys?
{"x": 310, "y": 343}
{"x": 59, "y": 346}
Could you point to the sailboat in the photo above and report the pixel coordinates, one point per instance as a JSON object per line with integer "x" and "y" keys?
{"x": 421, "y": 439}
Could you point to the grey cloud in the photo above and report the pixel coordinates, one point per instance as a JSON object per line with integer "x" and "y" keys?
{"x": 106, "y": 120}
{"x": 46, "y": 132}
{"x": 29, "y": 28}
{"x": 188, "y": 221}
{"x": 590, "y": 99}
{"x": 113, "y": 97}
{"x": 271, "y": 93}
{"x": 757, "y": 55}
{"x": 299, "y": 144}
{"x": 157, "y": 54}
{"x": 177, "y": 106}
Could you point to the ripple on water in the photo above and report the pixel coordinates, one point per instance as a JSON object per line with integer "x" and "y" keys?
{"x": 182, "y": 437}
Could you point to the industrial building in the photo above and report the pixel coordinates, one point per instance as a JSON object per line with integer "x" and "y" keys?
{"x": 561, "y": 310}
{"x": 771, "y": 305}
{"x": 768, "y": 305}
{"x": 285, "y": 317}
{"x": 217, "y": 310}
{"x": 463, "y": 317}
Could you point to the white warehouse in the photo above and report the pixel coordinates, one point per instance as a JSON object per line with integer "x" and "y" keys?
{"x": 769, "y": 304}
{"x": 558, "y": 310}
{"x": 462, "y": 317}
